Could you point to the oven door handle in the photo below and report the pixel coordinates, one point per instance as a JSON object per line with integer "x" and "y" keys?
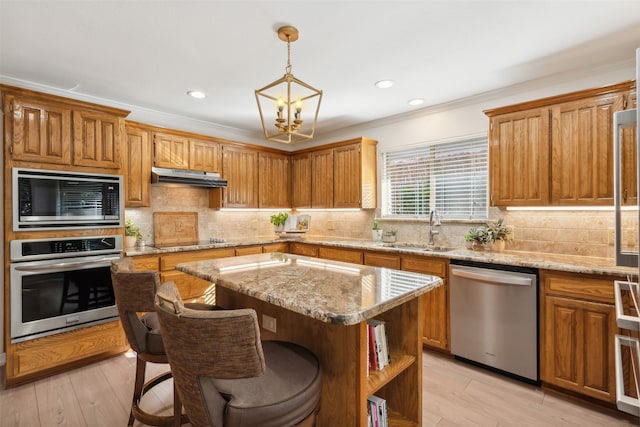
{"x": 64, "y": 266}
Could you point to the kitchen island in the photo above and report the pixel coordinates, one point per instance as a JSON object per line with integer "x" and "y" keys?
{"x": 324, "y": 306}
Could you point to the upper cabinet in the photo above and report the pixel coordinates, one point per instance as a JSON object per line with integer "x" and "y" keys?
{"x": 556, "y": 151}
{"x": 45, "y": 128}
{"x": 519, "y": 158}
{"x": 339, "y": 175}
{"x": 170, "y": 151}
{"x": 137, "y": 161}
{"x": 274, "y": 177}
{"x": 204, "y": 156}
{"x": 240, "y": 169}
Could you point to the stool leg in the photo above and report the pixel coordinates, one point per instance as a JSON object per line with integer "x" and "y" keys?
{"x": 137, "y": 387}
{"x": 177, "y": 407}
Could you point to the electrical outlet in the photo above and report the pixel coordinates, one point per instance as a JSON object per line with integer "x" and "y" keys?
{"x": 611, "y": 236}
{"x": 331, "y": 225}
{"x": 254, "y": 224}
{"x": 269, "y": 323}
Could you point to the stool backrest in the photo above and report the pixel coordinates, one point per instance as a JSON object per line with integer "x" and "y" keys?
{"x": 222, "y": 344}
{"x": 135, "y": 292}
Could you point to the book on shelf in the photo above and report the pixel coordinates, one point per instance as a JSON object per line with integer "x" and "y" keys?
{"x": 378, "y": 348}
{"x": 377, "y": 412}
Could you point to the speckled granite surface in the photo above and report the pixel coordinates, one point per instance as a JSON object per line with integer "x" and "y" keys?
{"x": 330, "y": 291}
{"x": 571, "y": 263}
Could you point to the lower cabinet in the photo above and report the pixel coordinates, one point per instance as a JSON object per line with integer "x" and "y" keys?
{"x": 434, "y": 304}
{"x": 578, "y": 327}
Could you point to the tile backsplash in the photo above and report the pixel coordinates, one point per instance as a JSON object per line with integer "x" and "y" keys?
{"x": 585, "y": 233}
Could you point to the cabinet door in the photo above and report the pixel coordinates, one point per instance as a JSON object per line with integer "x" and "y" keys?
{"x": 519, "y": 158}
{"x": 582, "y": 150}
{"x": 170, "y": 151}
{"x": 322, "y": 179}
{"x": 435, "y": 303}
{"x": 301, "y": 181}
{"x": 137, "y": 169}
{"x": 204, "y": 156}
{"x": 39, "y": 131}
{"x": 346, "y": 177}
{"x": 578, "y": 346}
{"x": 274, "y": 178}
{"x": 240, "y": 169}
{"x": 96, "y": 139}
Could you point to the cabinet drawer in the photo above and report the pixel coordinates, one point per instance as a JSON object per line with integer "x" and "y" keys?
{"x": 276, "y": 247}
{"x": 145, "y": 262}
{"x": 248, "y": 250}
{"x": 344, "y": 255}
{"x": 435, "y": 266}
{"x": 169, "y": 261}
{"x": 302, "y": 249}
{"x": 382, "y": 260}
{"x": 593, "y": 288}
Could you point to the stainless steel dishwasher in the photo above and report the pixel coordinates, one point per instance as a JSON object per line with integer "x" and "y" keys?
{"x": 494, "y": 317}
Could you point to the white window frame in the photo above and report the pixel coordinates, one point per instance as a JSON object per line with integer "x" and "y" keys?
{"x": 417, "y": 170}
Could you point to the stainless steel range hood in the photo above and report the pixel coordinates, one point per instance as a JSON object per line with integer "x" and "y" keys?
{"x": 187, "y": 177}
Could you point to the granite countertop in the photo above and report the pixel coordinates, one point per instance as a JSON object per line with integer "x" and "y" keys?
{"x": 559, "y": 262}
{"x": 329, "y": 291}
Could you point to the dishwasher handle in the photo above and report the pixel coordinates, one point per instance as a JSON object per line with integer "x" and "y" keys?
{"x": 493, "y": 278}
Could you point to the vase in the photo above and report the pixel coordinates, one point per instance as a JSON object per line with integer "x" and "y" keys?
{"x": 129, "y": 241}
{"x": 376, "y": 235}
{"x": 279, "y": 228}
{"x": 498, "y": 245}
{"x": 477, "y": 246}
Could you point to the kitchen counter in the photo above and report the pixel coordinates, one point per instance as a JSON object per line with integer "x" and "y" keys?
{"x": 549, "y": 261}
{"x": 329, "y": 291}
{"x": 324, "y": 306}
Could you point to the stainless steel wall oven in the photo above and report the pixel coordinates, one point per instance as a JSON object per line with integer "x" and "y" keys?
{"x": 45, "y": 200}
{"x": 61, "y": 284}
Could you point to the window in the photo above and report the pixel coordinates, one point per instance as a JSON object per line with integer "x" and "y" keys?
{"x": 451, "y": 178}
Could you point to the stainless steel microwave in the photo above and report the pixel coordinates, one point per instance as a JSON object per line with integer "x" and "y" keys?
{"x": 57, "y": 200}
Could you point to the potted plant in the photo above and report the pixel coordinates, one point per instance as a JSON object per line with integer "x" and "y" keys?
{"x": 131, "y": 234}
{"x": 376, "y": 232}
{"x": 389, "y": 236}
{"x": 278, "y": 220}
{"x": 498, "y": 234}
{"x": 478, "y": 236}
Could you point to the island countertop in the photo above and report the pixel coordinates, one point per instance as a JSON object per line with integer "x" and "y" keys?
{"x": 329, "y": 291}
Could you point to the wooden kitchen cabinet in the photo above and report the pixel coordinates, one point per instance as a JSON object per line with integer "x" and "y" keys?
{"x": 137, "y": 167}
{"x": 240, "y": 169}
{"x": 276, "y": 247}
{"x": 97, "y": 139}
{"x": 274, "y": 177}
{"x": 577, "y": 333}
{"x": 170, "y": 151}
{"x": 355, "y": 175}
{"x": 340, "y": 254}
{"x": 434, "y": 305}
{"x": 38, "y": 130}
{"x": 557, "y": 150}
{"x": 205, "y": 156}
{"x": 305, "y": 249}
{"x": 301, "y": 180}
{"x": 582, "y": 150}
{"x": 322, "y": 178}
{"x": 629, "y": 157}
{"x": 519, "y": 158}
{"x": 375, "y": 259}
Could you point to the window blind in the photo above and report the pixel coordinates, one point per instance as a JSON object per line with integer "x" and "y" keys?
{"x": 449, "y": 177}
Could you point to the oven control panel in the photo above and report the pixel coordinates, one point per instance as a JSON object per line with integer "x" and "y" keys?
{"x": 33, "y": 249}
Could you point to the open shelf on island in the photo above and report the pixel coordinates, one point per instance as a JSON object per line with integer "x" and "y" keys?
{"x": 378, "y": 379}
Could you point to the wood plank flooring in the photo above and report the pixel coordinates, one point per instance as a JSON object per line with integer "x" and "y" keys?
{"x": 454, "y": 394}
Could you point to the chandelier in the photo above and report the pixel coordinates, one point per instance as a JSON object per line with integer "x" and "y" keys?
{"x": 286, "y": 99}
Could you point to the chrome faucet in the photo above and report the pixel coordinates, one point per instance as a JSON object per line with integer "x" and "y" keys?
{"x": 432, "y": 224}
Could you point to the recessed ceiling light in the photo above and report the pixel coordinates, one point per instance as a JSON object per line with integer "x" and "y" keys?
{"x": 416, "y": 101}
{"x": 197, "y": 94}
{"x": 384, "y": 84}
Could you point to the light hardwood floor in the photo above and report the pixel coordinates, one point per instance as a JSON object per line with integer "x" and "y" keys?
{"x": 454, "y": 394}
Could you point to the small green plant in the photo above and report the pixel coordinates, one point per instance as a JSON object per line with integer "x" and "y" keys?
{"x": 132, "y": 230}
{"x": 477, "y": 234}
{"x": 390, "y": 233}
{"x": 498, "y": 231}
{"x": 375, "y": 224}
{"x": 279, "y": 218}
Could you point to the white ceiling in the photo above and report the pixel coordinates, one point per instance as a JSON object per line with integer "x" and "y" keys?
{"x": 148, "y": 54}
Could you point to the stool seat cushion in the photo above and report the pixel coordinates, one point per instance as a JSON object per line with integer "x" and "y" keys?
{"x": 288, "y": 391}
{"x": 153, "y": 337}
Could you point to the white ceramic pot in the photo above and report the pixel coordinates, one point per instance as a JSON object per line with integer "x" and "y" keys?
{"x": 129, "y": 241}
{"x": 498, "y": 245}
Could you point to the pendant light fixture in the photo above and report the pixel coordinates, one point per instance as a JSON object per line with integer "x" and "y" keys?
{"x": 290, "y": 105}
